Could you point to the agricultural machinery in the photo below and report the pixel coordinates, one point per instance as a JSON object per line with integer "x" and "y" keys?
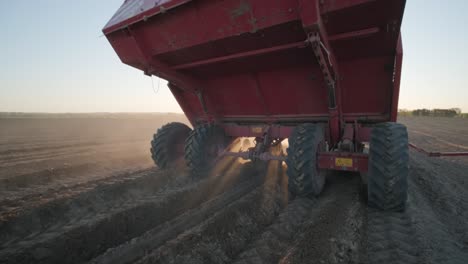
{"x": 324, "y": 74}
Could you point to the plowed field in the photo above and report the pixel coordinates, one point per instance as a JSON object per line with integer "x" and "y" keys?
{"x": 84, "y": 190}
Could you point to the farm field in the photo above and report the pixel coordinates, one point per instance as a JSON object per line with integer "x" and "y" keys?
{"x": 85, "y": 190}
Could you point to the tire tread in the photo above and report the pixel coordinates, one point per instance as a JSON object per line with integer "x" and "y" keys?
{"x": 388, "y": 167}
{"x": 164, "y": 140}
{"x": 304, "y": 178}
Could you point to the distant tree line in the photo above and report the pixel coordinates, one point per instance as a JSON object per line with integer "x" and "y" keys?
{"x": 452, "y": 112}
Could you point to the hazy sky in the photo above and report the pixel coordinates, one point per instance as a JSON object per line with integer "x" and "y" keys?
{"x": 55, "y": 59}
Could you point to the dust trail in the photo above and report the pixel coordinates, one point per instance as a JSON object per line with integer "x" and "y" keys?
{"x": 140, "y": 246}
{"x": 129, "y": 218}
{"x": 220, "y": 237}
{"x": 226, "y": 162}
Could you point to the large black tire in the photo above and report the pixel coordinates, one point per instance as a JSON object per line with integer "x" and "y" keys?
{"x": 388, "y": 167}
{"x": 202, "y": 146}
{"x": 164, "y": 150}
{"x": 305, "y": 178}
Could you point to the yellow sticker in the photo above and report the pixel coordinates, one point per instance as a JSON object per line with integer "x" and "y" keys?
{"x": 257, "y": 130}
{"x": 343, "y": 162}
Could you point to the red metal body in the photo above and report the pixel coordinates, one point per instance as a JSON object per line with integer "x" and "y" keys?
{"x": 358, "y": 161}
{"x": 256, "y": 66}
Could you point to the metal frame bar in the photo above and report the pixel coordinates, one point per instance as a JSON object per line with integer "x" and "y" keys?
{"x": 330, "y": 6}
{"x": 313, "y": 26}
{"x": 438, "y": 154}
{"x": 292, "y": 119}
{"x": 265, "y": 156}
{"x": 354, "y": 34}
{"x": 326, "y": 160}
{"x": 240, "y": 55}
{"x": 274, "y": 131}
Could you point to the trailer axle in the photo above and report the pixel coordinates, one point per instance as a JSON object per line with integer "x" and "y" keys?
{"x": 252, "y": 155}
{"x": 342, "y": 161}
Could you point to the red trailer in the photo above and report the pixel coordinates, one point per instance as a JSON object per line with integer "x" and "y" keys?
{"x": 323, "y": 73}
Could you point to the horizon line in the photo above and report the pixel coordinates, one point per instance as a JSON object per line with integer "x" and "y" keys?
{"x": 62, "y": 113}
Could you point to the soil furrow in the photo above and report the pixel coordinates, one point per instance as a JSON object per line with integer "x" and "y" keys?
{"x": 42, "y": 177}
{"x": 31, "y": 151}
{"x": 36, "y": 157}
{"x": 66, "y": 209}
{"x": 16, "y": 207}
{"x": 440, "y": 212}
{"x": 272, "y": 243}
{"x": 334, "y": 229}
{"x": 9, "y": 162}
{"x": 221, "y": 237}
{"x": 392, "y": 238}
{"x": 84, "y": 239}
{"x": 136, "y": 248}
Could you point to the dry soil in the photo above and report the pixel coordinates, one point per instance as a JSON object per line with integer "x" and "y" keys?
{"x": 84, "y": 190}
